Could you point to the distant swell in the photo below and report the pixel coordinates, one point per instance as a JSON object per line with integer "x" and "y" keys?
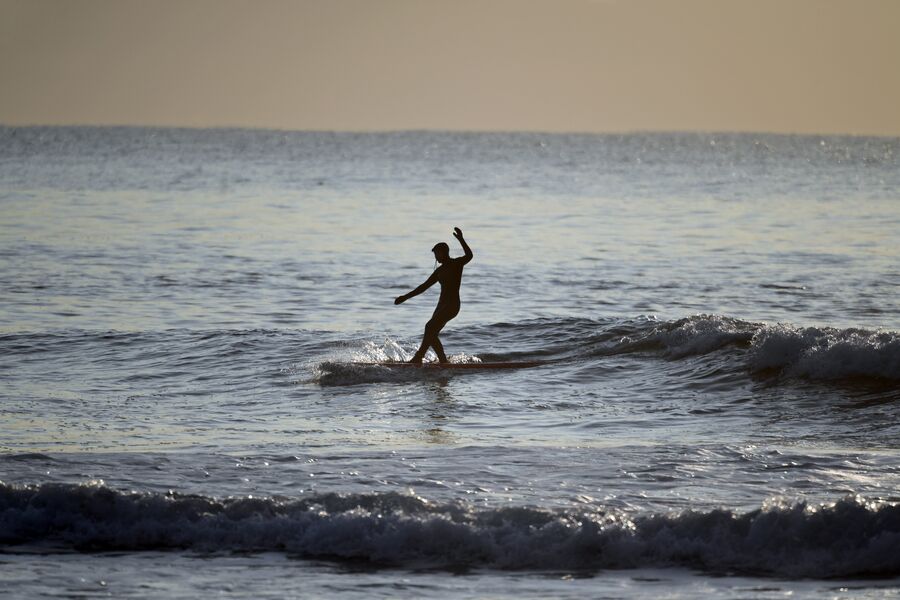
{"x": 851, "y": 537}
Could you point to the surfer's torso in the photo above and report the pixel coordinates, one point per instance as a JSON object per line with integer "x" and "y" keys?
{"x": 449, "y": 275}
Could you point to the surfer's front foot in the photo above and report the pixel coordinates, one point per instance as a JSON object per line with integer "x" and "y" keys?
{"x": 416, "y": 360}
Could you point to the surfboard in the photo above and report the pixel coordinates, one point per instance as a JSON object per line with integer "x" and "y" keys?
{"x": 451, "y": 366}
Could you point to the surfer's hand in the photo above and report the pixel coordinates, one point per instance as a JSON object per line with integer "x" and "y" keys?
{"x": 399, "y": 299}
{"x": 457, "y": 233}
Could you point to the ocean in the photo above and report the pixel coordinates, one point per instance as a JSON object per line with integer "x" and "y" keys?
{"x": 717, "y": 412}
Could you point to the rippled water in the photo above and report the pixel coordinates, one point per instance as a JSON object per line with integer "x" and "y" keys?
{"x": 717, "y": 316}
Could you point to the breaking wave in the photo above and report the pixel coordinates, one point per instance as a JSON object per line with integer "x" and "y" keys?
{"x": 811, "y": 353}
{"x": 850, "y": 537}
{"x": 815, "y": 353}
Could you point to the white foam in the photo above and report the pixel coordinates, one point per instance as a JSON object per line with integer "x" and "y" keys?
{"x": 358, "y": 364}
{"x": 389, "y": 350}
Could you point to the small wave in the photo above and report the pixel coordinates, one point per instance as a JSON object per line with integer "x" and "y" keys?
{"x": 821, "y": 354}
{"x": 28, "y": 456}
{"x": 817, "y": 354}
{"x": 826, "y": 353}
{"x": 699, "y": 334}
{"x": 850, "y": 537}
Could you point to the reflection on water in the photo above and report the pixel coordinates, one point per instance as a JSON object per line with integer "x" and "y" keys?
{"x": 439, "y": 412}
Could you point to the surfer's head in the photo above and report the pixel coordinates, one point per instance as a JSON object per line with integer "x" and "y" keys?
{"x": 441, "y": 252}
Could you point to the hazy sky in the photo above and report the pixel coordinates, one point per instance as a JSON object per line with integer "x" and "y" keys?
{"x": 823, "y": 66}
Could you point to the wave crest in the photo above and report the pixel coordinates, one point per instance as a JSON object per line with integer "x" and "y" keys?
{"x": 827, "y": 353}
{"x": 699, "y": 334}
{"x": 814, "y": 353}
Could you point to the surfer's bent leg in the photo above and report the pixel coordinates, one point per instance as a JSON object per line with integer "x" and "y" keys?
{"x": 430, "y": 338}
{"x": 436, "y": 342}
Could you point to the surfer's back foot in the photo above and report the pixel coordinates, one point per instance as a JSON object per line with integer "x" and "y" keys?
{"x": 416, "y": 360}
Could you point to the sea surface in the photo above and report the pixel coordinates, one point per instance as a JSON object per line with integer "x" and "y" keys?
{"x": 717, "y": 412}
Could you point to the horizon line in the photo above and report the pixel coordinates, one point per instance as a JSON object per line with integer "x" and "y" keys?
{"x": 373, "y": 131}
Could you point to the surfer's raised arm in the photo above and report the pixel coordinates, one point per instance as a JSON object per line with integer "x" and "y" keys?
{"x": 428, "y": 283}
{"x": 458, "y": 234}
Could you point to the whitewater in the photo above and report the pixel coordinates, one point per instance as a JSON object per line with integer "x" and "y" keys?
{"x": 716, "y": 318}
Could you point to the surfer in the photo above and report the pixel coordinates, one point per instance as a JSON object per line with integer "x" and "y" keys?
{"x": 449, "y": 274}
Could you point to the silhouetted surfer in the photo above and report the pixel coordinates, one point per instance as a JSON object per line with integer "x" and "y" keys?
{"x": 450, "y": 276}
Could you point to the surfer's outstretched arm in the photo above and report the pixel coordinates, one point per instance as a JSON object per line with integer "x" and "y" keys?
{"x": 428, "y": 283}
{"x": 457, "y": 233}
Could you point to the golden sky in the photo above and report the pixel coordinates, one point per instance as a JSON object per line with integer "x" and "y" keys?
{"x": 808, "y": 66}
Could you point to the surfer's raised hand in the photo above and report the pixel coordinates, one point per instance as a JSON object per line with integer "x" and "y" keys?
{"x": 399, "y": 299}
{"x": 457, "y": 233}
